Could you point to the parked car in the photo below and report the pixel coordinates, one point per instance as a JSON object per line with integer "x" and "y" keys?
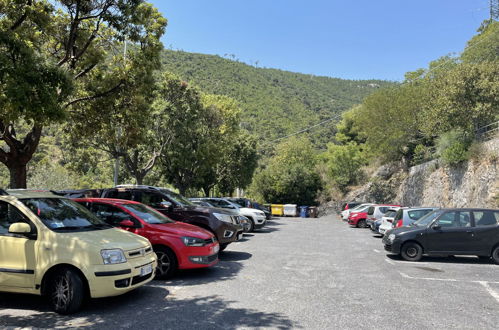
{"x": 246, "y": 202}
{"x": 54, "y": 247}
{"x": 376, "y": 212}
{"x": 408, "y": 215}
{"x": 346, "y": 213}
{"x": 177, "y": 245}
{"x": 387, "y": 220}
{"x": 448, "y": 232}
{"x": 256, "y": 217}
{"x": 375, "y": 226}
{"x": 358, "y": 218}
{"x": 222, "y": 223}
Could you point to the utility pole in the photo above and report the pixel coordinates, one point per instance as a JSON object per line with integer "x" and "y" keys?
{"x": 118, "y": 134}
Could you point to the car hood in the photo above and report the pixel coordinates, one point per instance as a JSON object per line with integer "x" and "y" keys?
{"x": 247, "y": 210}
{"x": 406, "y": 229}
{"x": 112, "y": 238}
{"x": 181, "y": 229}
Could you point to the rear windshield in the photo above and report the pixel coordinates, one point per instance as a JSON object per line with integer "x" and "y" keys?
{"x": 390, "y": 213}
{"x": 383, "y": 209}
{"x": 147, "y": 214}
{"x": 60, "y": 214}
{"x": 370, "y": 211}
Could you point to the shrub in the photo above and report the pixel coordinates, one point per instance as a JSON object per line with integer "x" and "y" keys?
{"x": 453, "y": 146}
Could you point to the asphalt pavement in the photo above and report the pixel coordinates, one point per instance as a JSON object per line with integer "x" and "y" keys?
{"x": 295, "y": 273}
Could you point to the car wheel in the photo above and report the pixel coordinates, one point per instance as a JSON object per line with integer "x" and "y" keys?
{"x": 495, "y": 254}
{"x": 411, "y": 251}
{"x": 66, "y": 291}
{"x": 167, "y": 263}
{"x": 362, "y": 224}
{"x": 252, "y": 225}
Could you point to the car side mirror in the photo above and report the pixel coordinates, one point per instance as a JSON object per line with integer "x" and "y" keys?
{"x": 437, "y": 227}
{"x": 20, "y": 228}
{"x": 127, "y": 223}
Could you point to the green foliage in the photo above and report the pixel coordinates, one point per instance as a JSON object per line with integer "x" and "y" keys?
{"x": 453, "y": 146}
{"x": 484, "y": 47}
{"x": 344, "y": 164}
{"x": 290, "y": 176}
{"x": 274, "y": 103}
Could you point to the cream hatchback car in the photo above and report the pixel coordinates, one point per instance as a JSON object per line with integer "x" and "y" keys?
{"x": 54, "y": 247}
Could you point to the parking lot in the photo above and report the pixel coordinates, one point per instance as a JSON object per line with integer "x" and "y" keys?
{"x": 295, "y": 273}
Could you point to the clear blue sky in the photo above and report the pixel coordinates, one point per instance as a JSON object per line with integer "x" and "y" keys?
{"x": 360, "y": 39}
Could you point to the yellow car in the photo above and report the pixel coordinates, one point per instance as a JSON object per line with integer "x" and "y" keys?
{"x": 52, "y": 246}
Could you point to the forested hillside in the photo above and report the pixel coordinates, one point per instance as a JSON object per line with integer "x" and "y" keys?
{"x": 274, "y": 102}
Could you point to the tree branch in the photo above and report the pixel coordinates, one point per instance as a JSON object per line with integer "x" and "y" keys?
{"x": 21, "y": 19}
{"x": 96, "y": 96}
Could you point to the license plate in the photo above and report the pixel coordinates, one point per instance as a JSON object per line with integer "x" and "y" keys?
{"x": 145, "y": 270}
{"x": 216, "y": 248}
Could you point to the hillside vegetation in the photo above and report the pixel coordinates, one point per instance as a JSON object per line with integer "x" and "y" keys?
{"x": 273, "y": 102}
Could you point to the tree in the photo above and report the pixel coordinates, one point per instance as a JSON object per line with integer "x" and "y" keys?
{"x": 290, "y": 176}
{"x": 63, "y": 44}
{"x": 343, "y": 163}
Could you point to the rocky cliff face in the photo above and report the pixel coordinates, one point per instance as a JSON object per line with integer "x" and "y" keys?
{"x": 474, "y": 183}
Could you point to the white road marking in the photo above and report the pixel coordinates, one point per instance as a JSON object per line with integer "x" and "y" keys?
{"x": 485, "y": 284}
{"x": 377, "y": 251}
{"x": 390, "y": 262}
{"x": 487, "y": 287}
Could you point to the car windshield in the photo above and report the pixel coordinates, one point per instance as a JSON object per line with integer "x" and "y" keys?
{"x": 147, "y": 214}
{"x": 427, "y": 219}
{"x": 60, "y": 214}
{"x": 177, "y": 198}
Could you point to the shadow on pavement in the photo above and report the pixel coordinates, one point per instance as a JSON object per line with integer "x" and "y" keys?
{"x": 151, "y": 307}
{"x": 446, "y": 260}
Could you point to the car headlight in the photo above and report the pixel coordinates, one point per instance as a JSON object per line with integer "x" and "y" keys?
{"x": 391, "y": 237}
{"x": 223, "y": 217}
{"x": 193, "y": 241}
{"x": 114, "y": 256}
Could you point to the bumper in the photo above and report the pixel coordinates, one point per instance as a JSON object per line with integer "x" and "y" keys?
{"x": 199, "y": 256}
{"x": 260, "y": 222}
{"x": 393, "y": 247}
{"x": 353, "y": 222}
{"x": 113, "y": 280}
{"x": 228, "y": 233}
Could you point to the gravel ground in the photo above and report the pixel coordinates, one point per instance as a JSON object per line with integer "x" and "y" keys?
{"x": 295, "y": 273}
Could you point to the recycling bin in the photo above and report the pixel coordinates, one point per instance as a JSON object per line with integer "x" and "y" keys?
{"x": 303, "y": 211}
{"x": 312, "y": 211}
{"x": 277, "y": 209}
{"x": 290, "y": 210}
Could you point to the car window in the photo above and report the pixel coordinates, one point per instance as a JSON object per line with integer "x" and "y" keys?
{"x": 148, "y": 214}
{"x": 152, "y": 199}
{"x": 383, "y": 209}
{"x": 390, "y": 214}
{"x": 126, "y": 194}
{"x": 9, "y": 214}
{"x": 110, "y": 214}
{"x": 370, "y": 211}
{"x": 486, "y": 218}
{"x": 448, "y": 220}
{"x": 464, "y": 219}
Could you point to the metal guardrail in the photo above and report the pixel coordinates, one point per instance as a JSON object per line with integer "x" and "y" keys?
{"x": 488, "y": 132}
{"x": 482, "y": 134}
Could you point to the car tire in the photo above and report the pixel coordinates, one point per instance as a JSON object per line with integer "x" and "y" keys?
{"x": 252, "y": 225}
{"x": 362, "y": 223}
{"x": 167, "y": 263}
{"x": 495, "y": 255}
{"x": 66, "y": 291}
{"x": 411, "y": 251}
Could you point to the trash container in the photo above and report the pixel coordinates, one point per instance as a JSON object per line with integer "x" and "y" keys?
{"x": 312, "y": 211}
{"x": 303, "y": 211}
{"x": 277, "y": 209}
{"x": 290, "y": 210}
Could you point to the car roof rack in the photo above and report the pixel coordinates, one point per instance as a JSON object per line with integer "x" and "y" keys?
{"x": 136, "y": 186}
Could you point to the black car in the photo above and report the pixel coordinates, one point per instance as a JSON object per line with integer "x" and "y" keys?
{"x": 224, "y": 224}
{"x": 448, "y": 232}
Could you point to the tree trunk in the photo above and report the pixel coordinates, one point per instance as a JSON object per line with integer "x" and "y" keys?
{"x": 18, "y": 176}
{"x": 18, "y": 153}
{"x": 207, "y": 191}
{"x": 139, "y": 178}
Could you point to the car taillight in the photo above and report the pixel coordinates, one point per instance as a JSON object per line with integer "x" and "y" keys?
{"x": 399, "y": 223}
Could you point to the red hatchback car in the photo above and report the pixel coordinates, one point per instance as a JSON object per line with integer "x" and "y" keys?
{"x": 177, "y": 245}
{"x": 357, "y": 219}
